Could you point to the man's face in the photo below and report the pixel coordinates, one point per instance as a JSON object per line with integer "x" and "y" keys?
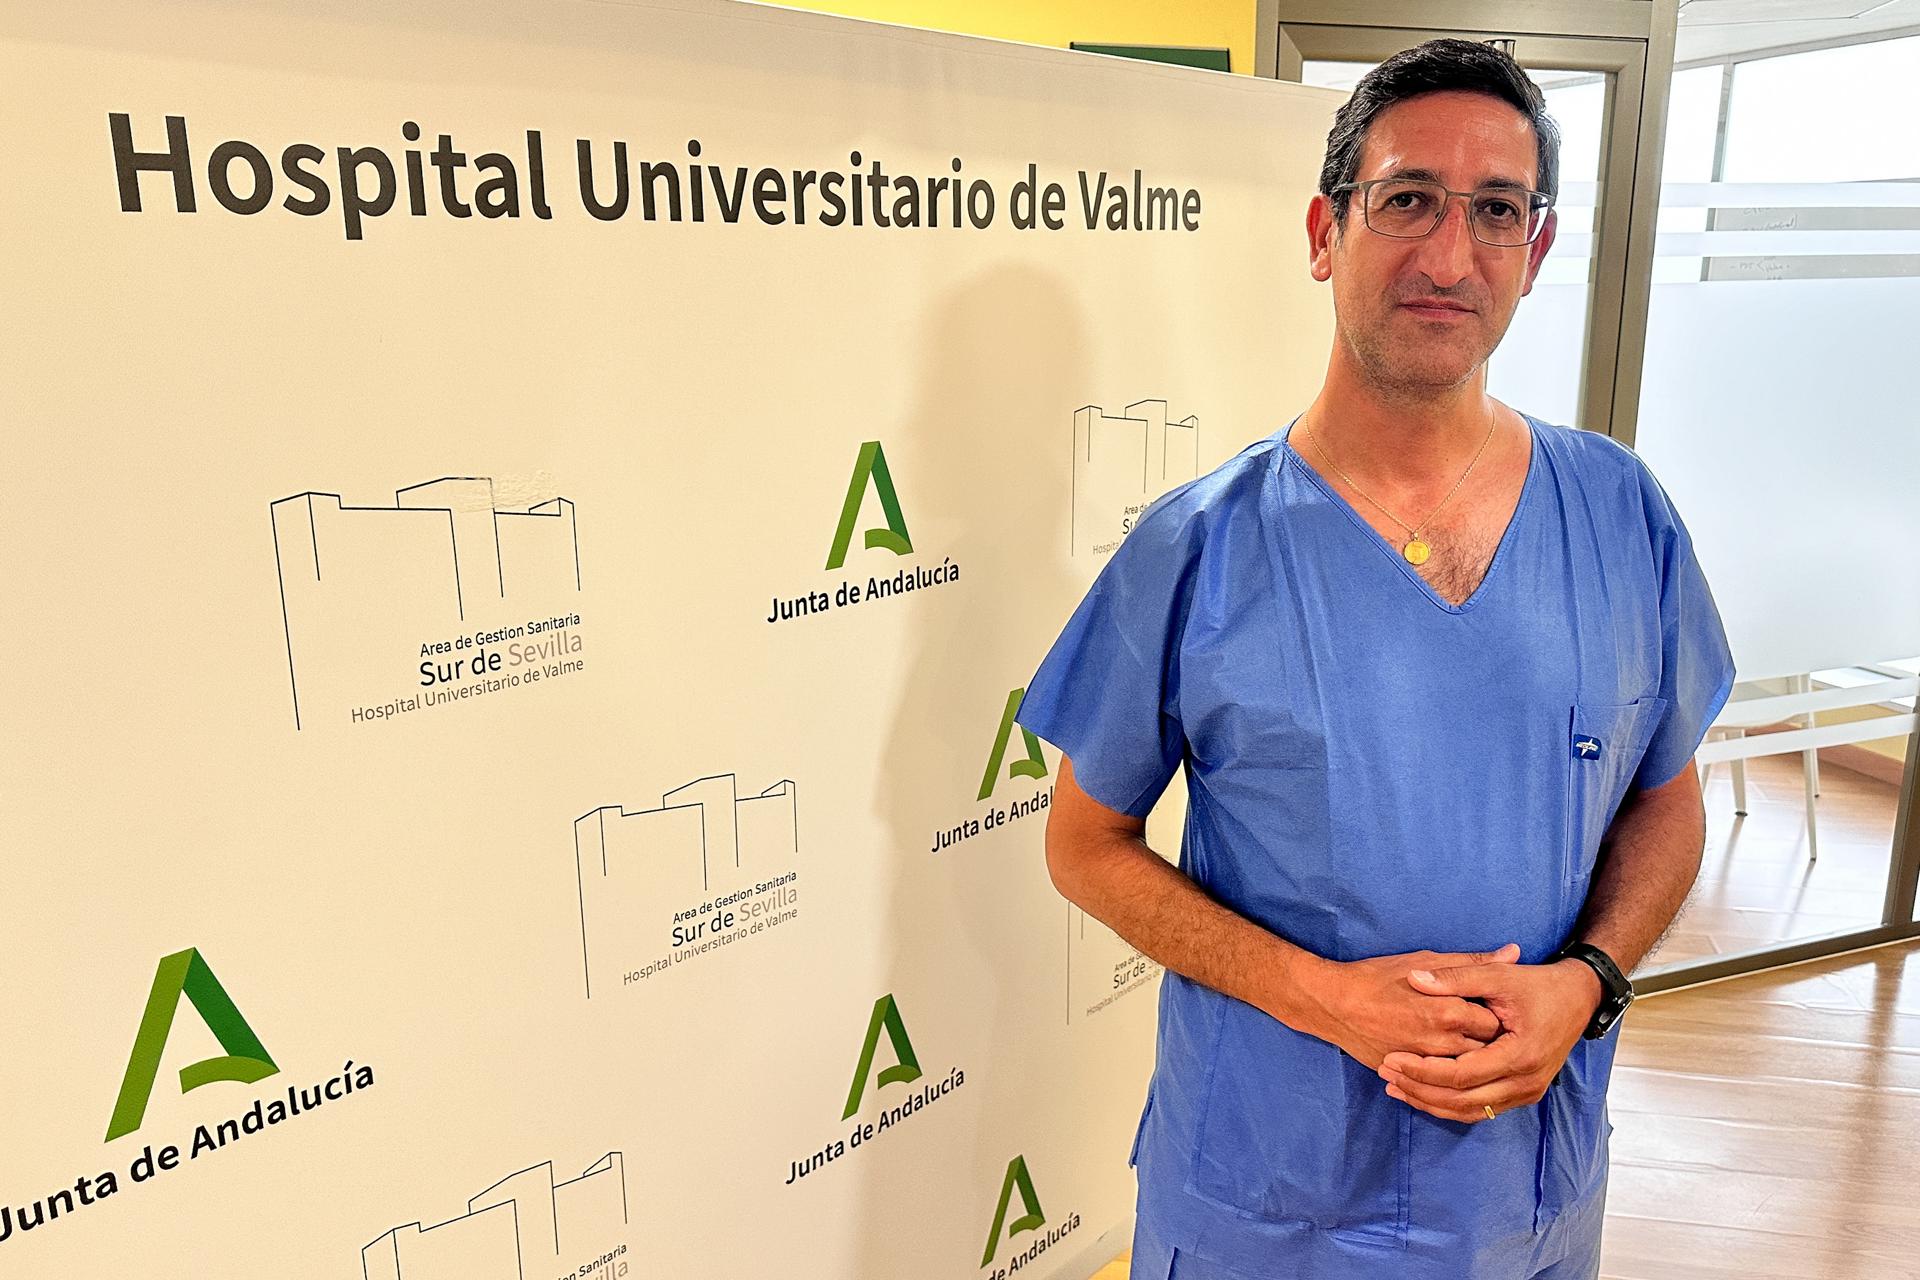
{"x": 1464, "y": 141}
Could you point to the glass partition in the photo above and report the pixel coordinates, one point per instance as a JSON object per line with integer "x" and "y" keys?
{"x": 1778, "y": 411}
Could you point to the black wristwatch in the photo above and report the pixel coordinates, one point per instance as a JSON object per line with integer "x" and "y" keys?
{"x": 1616, "y": 990}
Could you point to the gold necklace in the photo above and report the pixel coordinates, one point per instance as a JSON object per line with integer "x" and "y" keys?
{"x": 1415, "y": 551}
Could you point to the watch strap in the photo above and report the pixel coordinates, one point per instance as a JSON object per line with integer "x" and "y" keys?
{"x": 1616, "y": 988}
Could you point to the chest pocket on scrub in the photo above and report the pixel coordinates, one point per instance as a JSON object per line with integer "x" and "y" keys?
{"x": 1604, "y": 750}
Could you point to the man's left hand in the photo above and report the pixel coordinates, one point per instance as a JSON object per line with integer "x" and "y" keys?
{"x": 1542, "y": 1008}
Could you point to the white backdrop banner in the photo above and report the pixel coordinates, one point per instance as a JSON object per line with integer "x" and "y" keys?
{"x": 542, "y": 516}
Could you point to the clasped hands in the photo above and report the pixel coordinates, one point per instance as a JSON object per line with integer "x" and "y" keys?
{"x": 1453, "y": 1033}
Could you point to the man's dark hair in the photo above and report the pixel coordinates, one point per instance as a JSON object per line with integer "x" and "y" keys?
{"x": 1448, "y": 63}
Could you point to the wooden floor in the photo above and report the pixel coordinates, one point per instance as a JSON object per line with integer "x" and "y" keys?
{"x": 1768, "y": 1127}
{"x": 1757, "y": 885}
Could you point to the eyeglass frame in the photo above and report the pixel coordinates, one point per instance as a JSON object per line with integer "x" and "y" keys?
{"x": 1468, "y": 196}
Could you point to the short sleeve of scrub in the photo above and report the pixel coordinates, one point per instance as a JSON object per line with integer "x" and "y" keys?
{"x": 1696, "y": 665}
{"x": 1106, "y": 692}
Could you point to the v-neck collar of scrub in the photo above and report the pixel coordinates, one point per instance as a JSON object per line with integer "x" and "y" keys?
{"x": 1527, "y": 486}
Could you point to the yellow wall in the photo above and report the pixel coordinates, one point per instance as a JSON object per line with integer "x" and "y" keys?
{"x": 1204, "y": 23}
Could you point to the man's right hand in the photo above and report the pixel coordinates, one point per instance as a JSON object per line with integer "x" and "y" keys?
{"x": 1370, "y": 1009}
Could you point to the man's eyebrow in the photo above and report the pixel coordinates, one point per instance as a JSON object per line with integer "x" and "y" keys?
{"x": 1430, "y": 175}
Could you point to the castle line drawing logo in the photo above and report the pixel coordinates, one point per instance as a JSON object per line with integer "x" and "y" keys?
{"x": 529, "y": 1225}
{"x": 368, "y": 590}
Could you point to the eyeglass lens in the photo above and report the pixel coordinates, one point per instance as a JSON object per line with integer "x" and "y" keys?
{"x": 1409, "y": 208}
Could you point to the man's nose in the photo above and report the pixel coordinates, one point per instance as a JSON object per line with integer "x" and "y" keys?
{"x": 1446, "y": 255}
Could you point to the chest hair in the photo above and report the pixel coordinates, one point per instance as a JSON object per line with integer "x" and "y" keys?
{"x": 1461, "y": 556}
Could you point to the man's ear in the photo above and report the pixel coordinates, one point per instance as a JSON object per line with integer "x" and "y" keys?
{"x": 1537, "y": 251}
{"x": 1321, "y": 232}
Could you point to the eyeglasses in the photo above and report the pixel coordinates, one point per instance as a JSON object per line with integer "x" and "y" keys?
{"x": 1409, "y": 208}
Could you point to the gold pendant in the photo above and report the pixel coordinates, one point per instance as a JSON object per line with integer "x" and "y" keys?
{"x": 1416, "y": 551}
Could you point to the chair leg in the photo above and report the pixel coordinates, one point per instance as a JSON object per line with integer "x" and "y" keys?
{"x": 1813, "y": 830}
{"x": 1810, "y": 758}
{"x": 1739, "y": 781}
{"x": 1809, "y": 768}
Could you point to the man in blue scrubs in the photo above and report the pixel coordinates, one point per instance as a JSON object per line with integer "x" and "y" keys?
{"x": 1436, "y": 671}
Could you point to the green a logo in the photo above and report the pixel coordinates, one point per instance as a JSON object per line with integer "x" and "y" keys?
{"x": 1017, "y": 1176}
{"x": 870, "y": 466}
{"x": 185, "y": 973}
{"x": 885, "y": 1014}
{"x": 1034, "y": 766}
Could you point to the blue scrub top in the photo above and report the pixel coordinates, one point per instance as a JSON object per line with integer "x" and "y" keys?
{"x": 1372, "y": 770}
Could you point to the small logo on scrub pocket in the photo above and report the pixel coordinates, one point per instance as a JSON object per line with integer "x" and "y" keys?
{"x": 1586, "y": 747}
